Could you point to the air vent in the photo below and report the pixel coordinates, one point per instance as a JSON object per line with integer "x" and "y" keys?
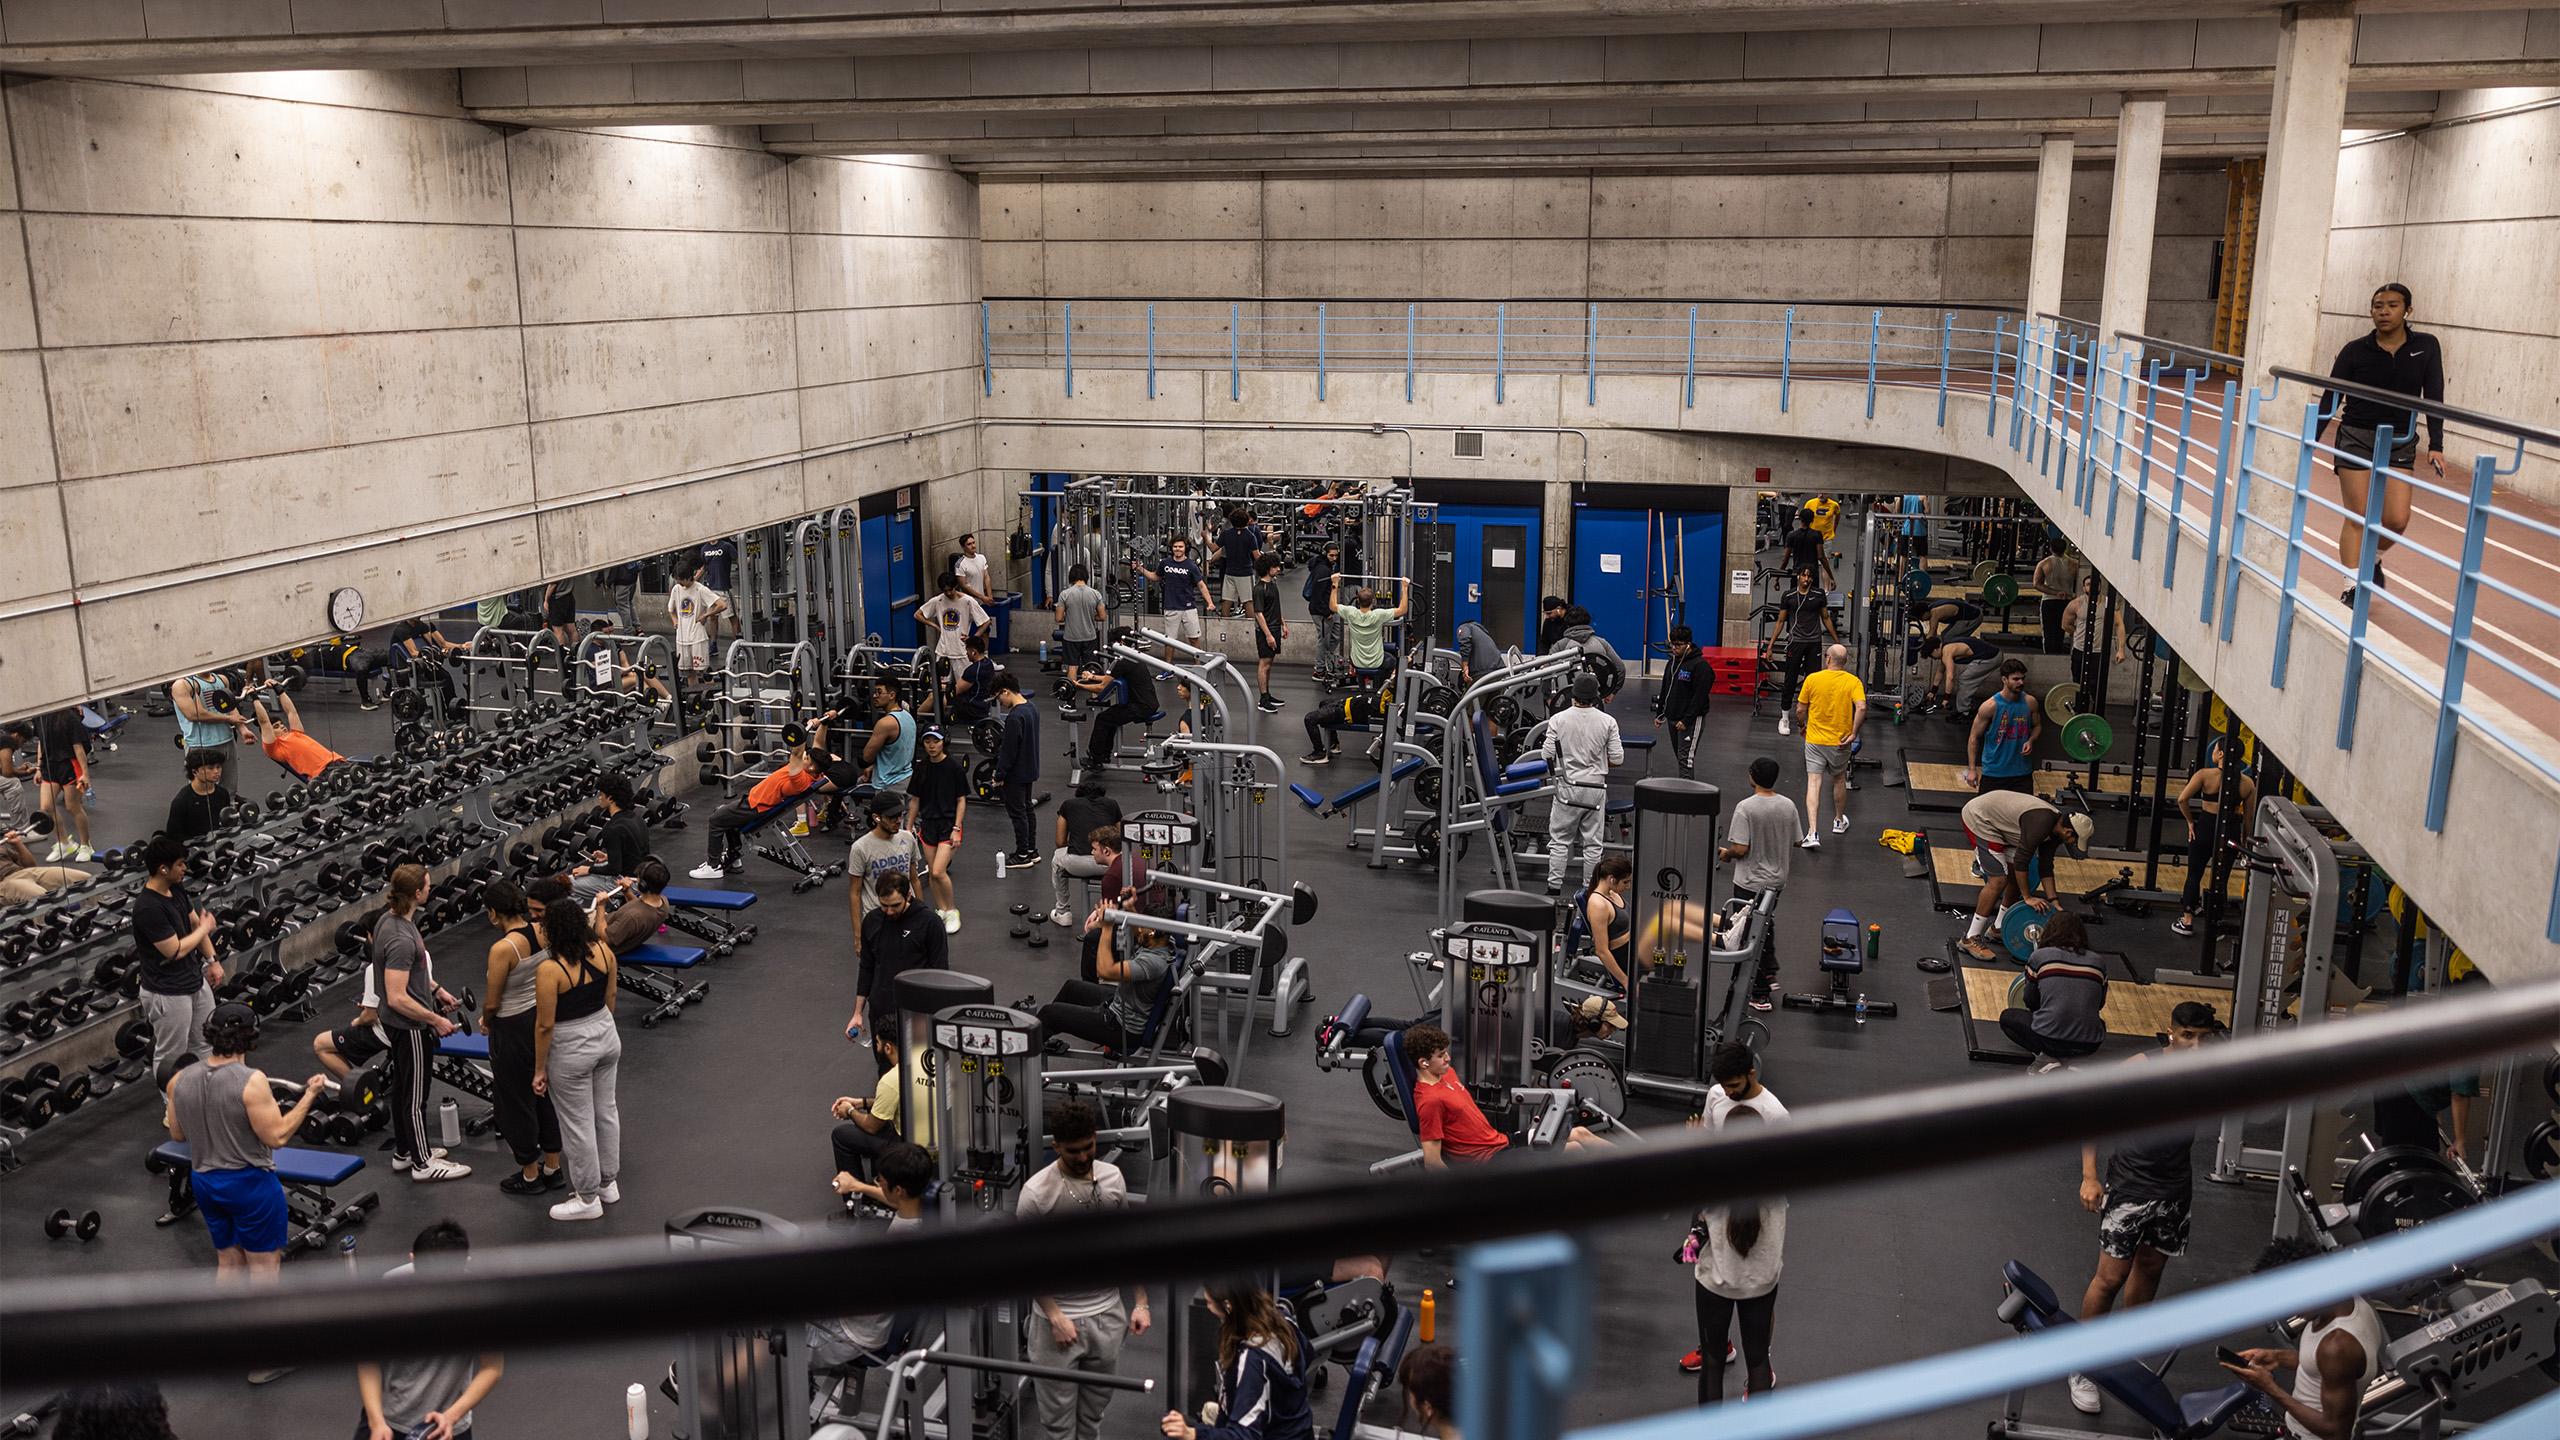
{"x": 1470, "y": 444}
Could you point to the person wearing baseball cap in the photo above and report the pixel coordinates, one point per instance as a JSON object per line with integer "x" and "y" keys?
{"x": 2016, "y": 840}
{"x": 228, "y": 1114}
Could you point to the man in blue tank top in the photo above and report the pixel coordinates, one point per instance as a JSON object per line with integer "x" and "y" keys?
{"x": 889, "y": 755}
{"x": 1999, "y": 755}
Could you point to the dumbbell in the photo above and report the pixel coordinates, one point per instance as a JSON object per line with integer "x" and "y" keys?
{"x": 28, "y": 1102}
{"x": 60, "y": 1223}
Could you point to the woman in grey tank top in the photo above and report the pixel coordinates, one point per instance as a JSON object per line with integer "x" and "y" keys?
{"x": 525, "y": 1120}
{"x": 223, "y": 1109}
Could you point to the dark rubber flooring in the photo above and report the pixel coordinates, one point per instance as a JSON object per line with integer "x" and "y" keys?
{"x": 728, "y": 1105}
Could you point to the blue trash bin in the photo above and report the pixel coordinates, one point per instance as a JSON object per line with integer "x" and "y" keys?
{"x": 1002, "y": 613}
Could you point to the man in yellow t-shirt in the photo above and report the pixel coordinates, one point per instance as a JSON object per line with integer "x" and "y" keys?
{"x": 870, "y": 1127}
{"x": 1825, "y": 513}
{"x": 1829, "y": 708}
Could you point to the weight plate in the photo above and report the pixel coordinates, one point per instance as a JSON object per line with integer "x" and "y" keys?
{"x": 2369, "y": 1171}
{"x": 2021, "y": 928}
{"x": 2542, "y": 1150}
{"x": 2000, "y": 592}
{"x": 1381, "y": 1085}
{"x": 2551, "y": 1079}
{"x": 2062, "y": 702}
{"x": 2087, "y": 737}
{"x": 2407, "y": 1197}
{"x": 1592, "y": 1079}
{"x": 1916, "y": 585}
{"x": 1982, "y": 572}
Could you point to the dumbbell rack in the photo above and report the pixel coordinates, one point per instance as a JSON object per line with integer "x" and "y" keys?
{"x": 462, "y": 802}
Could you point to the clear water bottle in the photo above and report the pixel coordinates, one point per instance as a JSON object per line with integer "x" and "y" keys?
{"x": 347, "y": 1251}
{"x": 635, "y": 1412}
{"x": 1862, "y": 1007}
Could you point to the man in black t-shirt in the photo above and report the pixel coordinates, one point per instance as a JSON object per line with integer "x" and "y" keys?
{"x": 1238, "y": 546}
{"x": 973, "y": 689}
{"x": 1084, "y": 812}
{"x": 1804, "y": 548}
{"x": 1804, "y": 627}
{"x": 620, "y": 845}
{"x": 173, "y": 940}
{"x": 1268, "y": 628}
{"x": 1687, "y": 683}
{"x": 937, "y": 803}
{"x": 198, "y": 808}
{"x": 62, "y": 775}
{"x": 1137, "y": 702}
{"x": 420, "y": 647}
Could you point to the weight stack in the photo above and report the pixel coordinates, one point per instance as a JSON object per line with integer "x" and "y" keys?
{"x": 1667, "y": 1030}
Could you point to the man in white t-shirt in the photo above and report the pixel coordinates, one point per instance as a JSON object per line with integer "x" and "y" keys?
{"x": 693, "y": 607}
{"x": 971, "y": 567}
{"x": 1737, "y": 1075}
{"x": 953, "y": 616}
{"x": 1085, "y": 1330}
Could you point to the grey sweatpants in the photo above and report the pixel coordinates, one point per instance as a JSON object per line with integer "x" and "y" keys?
{"x": 1065, "y": 870}
{"x": 1069, "y": 1411}
{"x": 586, "y": 1062}
{"x": 177, "y": 1027}
{"x": 1574, "y": 824}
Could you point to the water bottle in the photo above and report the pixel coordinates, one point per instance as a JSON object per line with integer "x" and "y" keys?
{"x": 1862, "y": 1007}
{"x": 635, "y": 1409}
{"x": 1000, "y": 865}
{"x": 347, "y": 1252}
{"x": 448, "y": 1123}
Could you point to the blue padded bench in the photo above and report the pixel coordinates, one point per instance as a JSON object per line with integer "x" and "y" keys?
{"x": 1313, "y": 800}
{"x": 2030, "y": 1305}
{"x": 464, "y": 1047}
{"x": 294, "y": 1166}
{"x": 710, "y": 899}
{"x": 665, "y": 957}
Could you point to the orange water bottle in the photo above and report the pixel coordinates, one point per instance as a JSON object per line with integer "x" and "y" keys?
{"x": 1430, "y": 1316}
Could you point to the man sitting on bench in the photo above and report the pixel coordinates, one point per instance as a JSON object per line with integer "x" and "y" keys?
{"x": 1137, "y": 703}
{"x": 288, "y": 744}
{"x": 1114, "y": 1015}
{"x": 224, "y": 1110}
{"x": 772, "y": 794}
{"x": 1324, "y": 722}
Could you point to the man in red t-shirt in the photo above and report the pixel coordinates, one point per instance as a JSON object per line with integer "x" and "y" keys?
{"x": 1453, "y": 1130}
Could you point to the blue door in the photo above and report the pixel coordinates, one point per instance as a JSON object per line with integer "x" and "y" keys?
{"x": 1039, "y": 517}
{"x": 891, "y": 576}
{"x": 1491, "y": 570}
{"x": 1640, "y": 572}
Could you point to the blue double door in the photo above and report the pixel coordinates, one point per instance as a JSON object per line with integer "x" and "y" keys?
{"x": 892, "y": 568}
{"x": 1480, "y": 562}
{"x": 1642, "y": 570}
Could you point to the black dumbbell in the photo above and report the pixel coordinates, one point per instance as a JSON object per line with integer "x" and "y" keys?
{"x": 60, "y": 1223}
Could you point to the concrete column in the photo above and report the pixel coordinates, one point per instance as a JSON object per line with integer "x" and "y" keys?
{"x": 2310, "y": 106}
{"x": 1555, "y": 526}
{"x": 2126, "y": 296}
{"x": 2053, "y": 224}
{"x": 1741, "y": 526}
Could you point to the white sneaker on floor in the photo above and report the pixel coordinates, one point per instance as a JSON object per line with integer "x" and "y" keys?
{"x": 1783, "y": 728}
{"x": 1810, "y": 841}
{"x": 1062, "y": 917}
{"x": 950, "y": 922}
{"x": 59, "y": 851}
{"x": 84, "y": 854}
{"x": 575, "y": 1208}
{"x": 2084, "y": 1395}
{"x": 1839, "y": 824}
{"x": 706, "y": 871}
{"x": 436, "y": 1167}
{"x": 612, "y": 1192}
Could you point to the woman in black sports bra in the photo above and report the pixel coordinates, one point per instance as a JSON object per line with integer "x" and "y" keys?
{"x": 578, "y": 1057}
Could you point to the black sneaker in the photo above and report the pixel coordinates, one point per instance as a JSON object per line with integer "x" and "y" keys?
{"x": 516, "y": 1184}
{"x": 1270, "y": 703}
{"x": 1315, "y": 757}
{"x": 1022, "y": 859}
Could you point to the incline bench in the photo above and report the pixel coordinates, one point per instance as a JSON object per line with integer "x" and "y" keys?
{"x": 308, "y": 1177}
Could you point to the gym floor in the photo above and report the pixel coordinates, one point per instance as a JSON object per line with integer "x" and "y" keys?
{"x": 1875, "y": 1274}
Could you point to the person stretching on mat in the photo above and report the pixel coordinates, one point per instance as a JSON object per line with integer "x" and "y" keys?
{"x": 225, "y": 1111}
{"x": 2396, "y": 358}
{"x": 2000, "y": 751}
{"x": 2145, "y": 1202}
{"x": 2016, "y": 840}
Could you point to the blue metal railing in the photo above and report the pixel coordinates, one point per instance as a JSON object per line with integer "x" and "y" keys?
{"x": 2087, "y": 411}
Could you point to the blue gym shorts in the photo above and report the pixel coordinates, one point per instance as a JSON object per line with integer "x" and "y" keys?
{"x": 243, "y": 1209}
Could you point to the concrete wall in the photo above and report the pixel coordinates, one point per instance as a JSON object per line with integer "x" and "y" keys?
{"x": 2467, "y": 215}
{"x": 1945, "y": 236}
{"x": 269, "y": 335}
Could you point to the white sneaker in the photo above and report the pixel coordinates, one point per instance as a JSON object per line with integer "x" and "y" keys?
{"x": 706, "y": 871}
{"x": 1811, "y": 841}
{"x": 1783, "y": 728}
{"x": 84, "y": 854}
{"x": 612, "y": 1192}
{"x": 950, "y": 922}
{"x": 60, "y": 850}
{"x": 1839, "y": 824}
{"x": 2084, "y": 1395}
{"x": 436, "y": 1167}
{"x": 1062, "y": 917}
{"x": 575, "y": 1208}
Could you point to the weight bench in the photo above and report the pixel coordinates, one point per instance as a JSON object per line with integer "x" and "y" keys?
{"x": 784, "y": 849}
{"x": 1324, "y": 809}
{"x": 1400, "y": 1070}
{"x": 687, "y": 913}
{"x": 307, "y": 1175}
{"x": 667, "y": 997}
{"x": 2028, "y": 1305}
{"x": 462, "y": 1061}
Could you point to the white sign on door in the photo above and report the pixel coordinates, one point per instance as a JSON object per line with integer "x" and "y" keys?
{"x": 1506, "y": 559}
{"x": 1608, "y": 564}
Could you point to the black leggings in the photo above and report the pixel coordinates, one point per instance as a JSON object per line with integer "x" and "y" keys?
{"x": 858, "y": 1151}
{"x": 1803, "y": 658}
{"x": 1106, "y": 730}
{"x": 1715, "y": 1320}
{"x": 2019, "y": 1026}
{"x": 1080, "y": 1011}
{"x": 526, "y": 1121}
{"x": 728, "y": 827}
